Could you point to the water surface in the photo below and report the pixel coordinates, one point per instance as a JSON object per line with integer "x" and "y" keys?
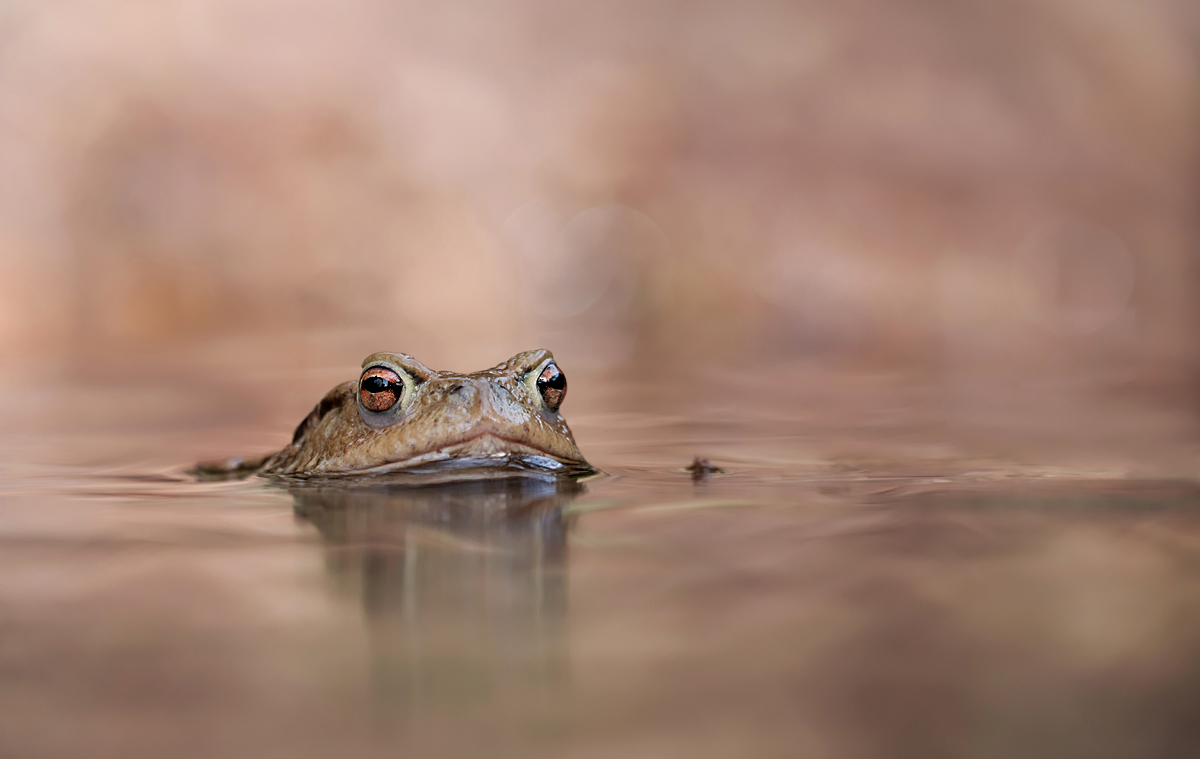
{"x": 847, "y": 588}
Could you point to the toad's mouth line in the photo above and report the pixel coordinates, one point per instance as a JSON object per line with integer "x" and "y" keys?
{"x": 502, "y": 450}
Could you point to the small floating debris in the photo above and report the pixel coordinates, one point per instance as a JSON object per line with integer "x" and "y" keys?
{"x": 701, "y": 469}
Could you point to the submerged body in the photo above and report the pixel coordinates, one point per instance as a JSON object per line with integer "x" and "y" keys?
{"x": 402, "y": 416}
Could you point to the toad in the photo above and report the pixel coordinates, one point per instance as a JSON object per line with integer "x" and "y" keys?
{"x": 401, "y": 416}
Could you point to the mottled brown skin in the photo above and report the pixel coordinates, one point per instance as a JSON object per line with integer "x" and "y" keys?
{"x": 493, "y": 416}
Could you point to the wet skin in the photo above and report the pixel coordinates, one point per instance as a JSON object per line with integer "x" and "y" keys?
{"x": 401, "y": 416}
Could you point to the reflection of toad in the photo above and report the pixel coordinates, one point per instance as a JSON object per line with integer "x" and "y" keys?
{"x": 463, "y": 584}
{"x": 402, "y": 416}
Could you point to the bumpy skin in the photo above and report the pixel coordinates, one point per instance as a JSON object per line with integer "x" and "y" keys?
{"x": 492, "y": 416}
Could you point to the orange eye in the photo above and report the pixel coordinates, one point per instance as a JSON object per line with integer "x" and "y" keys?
{"x": 552, "y": 384}
{"x": 380, "y": 389}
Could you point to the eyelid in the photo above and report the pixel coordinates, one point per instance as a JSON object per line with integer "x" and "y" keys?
{"x": 370, "y": 369}
{"x": 536, "y": 371}
{"x": 402, "y": 375}
{"x": 401, "y": 363}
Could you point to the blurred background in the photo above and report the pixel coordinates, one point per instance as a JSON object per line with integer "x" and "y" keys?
{"x": 997, "y": 199}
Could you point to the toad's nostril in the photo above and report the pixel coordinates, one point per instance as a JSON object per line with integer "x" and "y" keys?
{"x": 461, "y": 393}
{"x": 500, "y": 391}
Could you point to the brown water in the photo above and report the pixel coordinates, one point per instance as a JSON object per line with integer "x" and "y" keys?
{"x": 860, "y": 582}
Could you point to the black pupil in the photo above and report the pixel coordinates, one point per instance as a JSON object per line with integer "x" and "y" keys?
{"x": 377, "y": 384}
{"x": 556, "y": 381}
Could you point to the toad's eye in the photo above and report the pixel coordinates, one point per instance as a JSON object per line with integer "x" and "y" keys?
{"x": 552, "y": 384}
{"x": 380, "y": 389}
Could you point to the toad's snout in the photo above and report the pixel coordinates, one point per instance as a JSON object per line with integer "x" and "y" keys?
{"x": 486, "y": 401}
